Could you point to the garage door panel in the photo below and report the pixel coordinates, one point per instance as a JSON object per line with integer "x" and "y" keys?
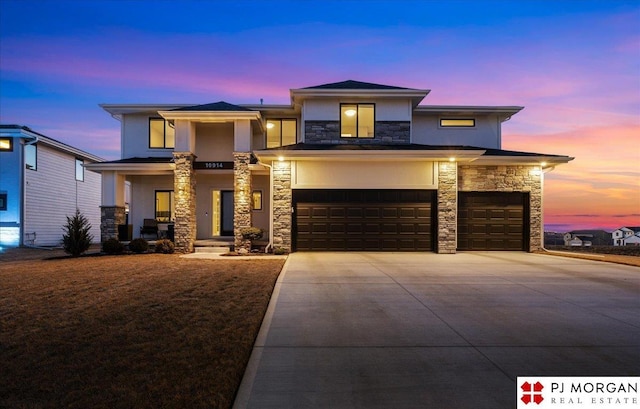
{"x": 492, "y": 221}
{"x": 380, "y": 220}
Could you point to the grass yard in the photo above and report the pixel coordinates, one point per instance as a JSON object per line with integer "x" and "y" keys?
{"x": 143, "y": 331}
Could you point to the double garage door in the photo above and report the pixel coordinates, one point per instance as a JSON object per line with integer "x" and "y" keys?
{"x": 363, "y": 220}
{"x": 405, "y": 220}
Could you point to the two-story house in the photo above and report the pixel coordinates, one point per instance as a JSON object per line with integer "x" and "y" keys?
{"x": 345, "y": 166}
{"x": 42, "y": 181}
{"x": 626, "y": 236}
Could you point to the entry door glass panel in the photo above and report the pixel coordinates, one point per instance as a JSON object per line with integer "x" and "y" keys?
{"x": 227, "y": 213}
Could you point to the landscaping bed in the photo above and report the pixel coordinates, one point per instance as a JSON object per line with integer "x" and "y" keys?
{"x": 144, "y": 331}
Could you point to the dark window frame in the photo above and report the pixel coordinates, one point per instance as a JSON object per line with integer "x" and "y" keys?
{"x": 81, "y": 162}
{"x": 155, "y": 205}
{"x": 164, "y": 129}
{"x": 358, "y": 104}
{"x": 3, "y": 201}
{"x": 26, "y": 165}
{"x": 456, "y": 119}
{"x": 10, "y": 148}
{"x": 295, "y": 121}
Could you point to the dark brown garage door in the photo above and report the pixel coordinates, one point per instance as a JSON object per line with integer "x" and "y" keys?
{"x": 363, "y": 220}
{"x": 493, "y": 221}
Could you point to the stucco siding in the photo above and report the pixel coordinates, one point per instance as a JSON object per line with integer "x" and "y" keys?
{"x": 214, "y": 142}
{"x": 426, "y": 130}
{"x": 135, "y": 137}
{"x": 52, "y": 194}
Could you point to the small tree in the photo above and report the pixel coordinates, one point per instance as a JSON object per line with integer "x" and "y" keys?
{"x": 76, "y": 238}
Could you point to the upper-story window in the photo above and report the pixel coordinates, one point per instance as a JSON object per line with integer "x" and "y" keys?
{"x": 357, "y": 120}
{"x": 281, "y": 132}
{"x": 161, "y": 134}
{"x": 79, "y": 170}
{"x": 6, "y": 144}
{"x": 31, "y": 156}
{"x": 457, "y": 122}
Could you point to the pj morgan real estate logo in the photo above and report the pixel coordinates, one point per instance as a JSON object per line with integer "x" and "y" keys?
{"x": 544, "y": 392}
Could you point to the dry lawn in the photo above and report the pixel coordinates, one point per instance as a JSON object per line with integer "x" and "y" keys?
{"x": 143, "y": 331}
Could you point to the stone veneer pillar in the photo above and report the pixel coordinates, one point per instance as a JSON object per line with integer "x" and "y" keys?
{"x": 184, "y": 186}
{"x": 241, "y": 198}
{"x": 110, "y": 218}
{"x": 282, "y": 218}
{"x": 447, "y": 207}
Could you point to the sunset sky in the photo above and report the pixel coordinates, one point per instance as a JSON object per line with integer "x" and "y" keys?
{"x": 573, "y": 65}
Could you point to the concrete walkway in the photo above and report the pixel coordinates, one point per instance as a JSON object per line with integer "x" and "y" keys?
{"x": 407, "y": 330}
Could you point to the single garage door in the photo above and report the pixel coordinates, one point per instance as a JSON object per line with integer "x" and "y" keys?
{"x": 363, "y": 220}
{"x": 493, "y": 221}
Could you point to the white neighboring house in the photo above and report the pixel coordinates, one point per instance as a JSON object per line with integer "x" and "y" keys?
{"x": 42, "y": 181}
{"x": 626, "y": 236}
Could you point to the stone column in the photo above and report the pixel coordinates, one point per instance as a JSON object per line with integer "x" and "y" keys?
{"x": 184, "y": 186}
{"x": 241, "y": 199}
{"x": 447, "y": 207}
{"x": 282, "y": 219}
{"x": 536, "y": 225}
{"x": 110, "y": 218}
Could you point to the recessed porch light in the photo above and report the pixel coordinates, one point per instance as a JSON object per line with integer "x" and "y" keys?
{"x": 280, "y": 158}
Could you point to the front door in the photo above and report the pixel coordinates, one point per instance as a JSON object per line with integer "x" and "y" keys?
{"x": 226, "y": 213}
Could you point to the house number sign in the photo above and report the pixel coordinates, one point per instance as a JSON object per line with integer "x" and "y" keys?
{"x": 213, "y": 165}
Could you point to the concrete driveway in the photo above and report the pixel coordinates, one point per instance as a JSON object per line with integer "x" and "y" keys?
{"x": 407, "y": 330}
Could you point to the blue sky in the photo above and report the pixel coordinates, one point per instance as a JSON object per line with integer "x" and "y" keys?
{"x": 574, "y": 65}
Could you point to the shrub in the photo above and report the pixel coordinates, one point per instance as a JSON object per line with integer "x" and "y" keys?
{"x": 251, "y": 233}
{"x": 139, "y": 245}
{"x": 165, "y": 246}
{"x": 279, "y": 251}
{"x": 112, "y": 246}
{"x": 76, "y": 238}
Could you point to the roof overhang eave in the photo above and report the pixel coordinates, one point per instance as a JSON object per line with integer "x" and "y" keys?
{"x": 266, "y": 156}
{"x": 210, "y": 116}
{"x": 543, "y": 161}
{"x": 132, "y": 168}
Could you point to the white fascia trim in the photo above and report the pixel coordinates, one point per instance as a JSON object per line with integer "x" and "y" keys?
{"x": 210, "y": 116}
{"x": 468, "y": 108}
{"x": 121, "y": 109}
{"x": 128, "y": 168}
{"x": 439, "y": 155}
{"x": 550, "y": 161}
{"x": 416, "y": 95}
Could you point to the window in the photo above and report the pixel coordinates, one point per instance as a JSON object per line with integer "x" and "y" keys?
{"x": 256, "y": 199}
{"x": 3, "y": 201}
{"x": 6, "y": 144}
{"x": 31, "y": 157}
{"x": 281, "y": 132}
{"x": 357, "y": 120}
{"x": 79, "y": 170}
{"x": 457, "y": 122}
{"x": 164, "y": 205}
{"x": 161, "y": 134}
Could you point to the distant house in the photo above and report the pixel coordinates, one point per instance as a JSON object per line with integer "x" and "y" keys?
{"x": 586, "y": 238}
{"x": 626, "y": 236}
{"x": 42, "y": 181}
{"x": 552, "y": 238}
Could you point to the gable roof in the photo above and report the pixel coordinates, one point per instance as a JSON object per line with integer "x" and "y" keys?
{"x": 351, "y": 84}
{"x": 220, "y": 106}
{"x": 21, "y": 131}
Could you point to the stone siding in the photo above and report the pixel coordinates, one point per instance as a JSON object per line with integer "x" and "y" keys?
{"x": 184, "y": 182}
{"x": 447, "y": 208}
{"x": 242, "y": 199}
{"x": 282, "y": 218}
{"x": 386, "y": 132}
{"x": 110, "y": 218}
{"x": 509, "y": 179}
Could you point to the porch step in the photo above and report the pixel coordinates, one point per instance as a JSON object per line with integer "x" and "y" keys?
{"x": 211, "y": 249}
